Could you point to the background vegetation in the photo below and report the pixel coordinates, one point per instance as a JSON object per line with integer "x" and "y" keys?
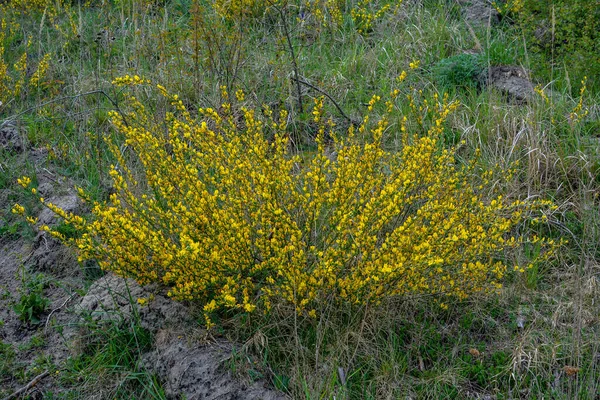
{"x": 61, "y": 69}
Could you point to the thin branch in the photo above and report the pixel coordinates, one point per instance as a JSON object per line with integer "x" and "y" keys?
{"x": 310, "y": 85}
{"x": 56, "y": 309}
{"x": 25, "y": 388}
{"x": 292, "y": 53}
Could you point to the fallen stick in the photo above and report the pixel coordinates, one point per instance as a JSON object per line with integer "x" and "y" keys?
{"x": 31, "y": 384}
{"x": 56, "y": 309}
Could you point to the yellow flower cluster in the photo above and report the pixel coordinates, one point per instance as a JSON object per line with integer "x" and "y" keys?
{"x": 14, "y": 81}
{"x": 40, "y": 72}
{"x": 239, "y": 9}
{"x": 18, "y": 209}
{"x": 29, "y": 6}
{"x": 508, "y": 7}
{"x": 227, "y": 215}
{"x": 327, "y": 13}
{"x": 365, "y": 14}
{"x": 579, "y": 112}
{"x": 24, "y": 181}
{"x": 540, "y": 90}
{"x": 129, "y": 81}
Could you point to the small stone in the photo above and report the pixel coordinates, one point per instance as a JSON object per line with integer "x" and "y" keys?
{"x": 11, "y": 138}
{"x": 480, "y": 12}
{"x": 510, "y": 80}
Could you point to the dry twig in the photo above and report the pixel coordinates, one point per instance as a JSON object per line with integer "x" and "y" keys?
{"x": 25, "y": 388}
{"x": 56, "y": 309}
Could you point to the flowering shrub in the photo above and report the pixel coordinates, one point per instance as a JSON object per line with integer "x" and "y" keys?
{"x": 35, "y": 6}
{"x": 239, "y": 9}
{"x": 326, "y": 13}
{"x": 226, "y": 214}
{"x": 509, "y": 7}
{"x": 14, "y": 81}
{"x": 365, "y": 13}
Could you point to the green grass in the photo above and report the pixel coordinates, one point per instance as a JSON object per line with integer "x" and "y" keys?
{"x": 8, "y": 355}
{"x": 109, "y": 360}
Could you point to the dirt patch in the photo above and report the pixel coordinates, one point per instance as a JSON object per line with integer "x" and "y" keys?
{"x": 49, "y": 255}
{"x": 512, "y": 81}
{"x": 68, "y": 202}
{"x": 36, "y": 346}
{"x": 113, "y": 297}
{"x": 11, "y": 259}
{"x": 43, "y": 259}
{"x": 479, "y": 12}
{"x": 29, "y": 348}
{"x": 198, "y": 371}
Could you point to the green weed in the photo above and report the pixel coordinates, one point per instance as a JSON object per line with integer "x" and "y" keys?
{"x": 459, "y": 71}
{"x": 32, "y": 303}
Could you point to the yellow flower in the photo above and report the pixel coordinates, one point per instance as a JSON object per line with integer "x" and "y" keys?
{"x": 142, "y": 301}
{"x": 210, "y": 306}
{"x": 24, "y": 181}
{"x": 249, "y": 307}
{"x": 18, "y": 209}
